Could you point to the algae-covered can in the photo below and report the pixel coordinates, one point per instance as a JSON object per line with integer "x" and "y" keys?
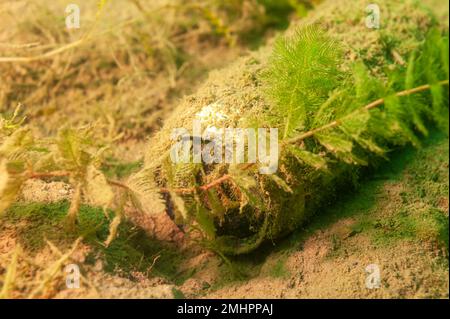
{"x": 223, "y": 164}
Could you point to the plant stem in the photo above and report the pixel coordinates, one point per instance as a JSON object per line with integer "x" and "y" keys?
{"x": 294, "y": 140}
{"x": 118, "y": 184}
{"x": 204, "y": 188}
{"x": 74, "y": 208}
{"x": 66, "y": 47}
{"x": 368, "y": 107}
{"x": 35, "y": 175}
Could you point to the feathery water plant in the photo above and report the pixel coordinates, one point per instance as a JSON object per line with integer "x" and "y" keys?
{"x": 303, "y": 70}
{"x": 364, "y": 115}
{"x": 336, "y": 117}
{"x": 75, "y": 155}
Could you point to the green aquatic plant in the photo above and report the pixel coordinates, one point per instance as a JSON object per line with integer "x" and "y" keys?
{"x": 74, "y": 155}
{"x": 335, "y": 117}
{"x": 351, "y": 115}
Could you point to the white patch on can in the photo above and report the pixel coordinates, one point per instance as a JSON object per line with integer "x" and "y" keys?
{"x": 210, "y": 114}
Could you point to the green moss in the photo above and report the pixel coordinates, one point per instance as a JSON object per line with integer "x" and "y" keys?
{"x": 277, "y": 17}
{"x": 423, "y": 176}
{"x": 279, "y": 270}
{"x": 421, "y": 222}
{"x": 178, "y": 294}
{"x": 240, "y": 268}
{"x": 279, "y": 11}
{"x": 133, "y": 250}
{"x": 116, "y": 169}
{"x": 35, "y": 222}
{"x": 423, "y": 226}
